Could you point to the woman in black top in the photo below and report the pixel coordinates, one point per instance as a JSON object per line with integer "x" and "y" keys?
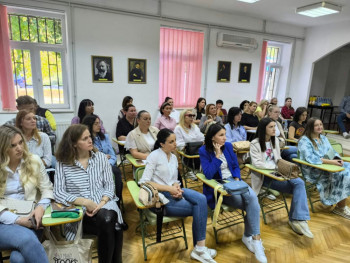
{"x": 126, "y": 124}
{"x": 249, "y": 120}
{"x": 199, "y": 109}
{"x": 297, "y": 126}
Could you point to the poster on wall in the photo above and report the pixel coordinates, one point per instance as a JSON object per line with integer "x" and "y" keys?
{"x": 102, "y": 69}
{"x": 224, "y": 71}
{"x": 244, "y": 72}
{"x": 137, "y": 70}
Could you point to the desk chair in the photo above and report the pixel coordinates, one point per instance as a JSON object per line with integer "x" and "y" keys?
{"x": 189, "y": 182}
{"x": 228, "y": 216}
{"x": 148, "y": 220}
{"x": 121, "y": 155}
{"x": 266, "y": 205}
{"x": 311, "y": 187}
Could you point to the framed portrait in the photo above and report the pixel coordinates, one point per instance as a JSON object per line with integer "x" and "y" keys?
{"x": 102, "y": 69}
{"x": 244, "y": 72}
{"x": 137, "y": 70}
{"x": 224, "y": 71}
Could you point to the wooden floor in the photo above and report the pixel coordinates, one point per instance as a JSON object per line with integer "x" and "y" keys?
{"x": 331, "y": 242}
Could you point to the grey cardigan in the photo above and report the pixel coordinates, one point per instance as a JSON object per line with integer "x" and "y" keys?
{"x": 258, "y": 160}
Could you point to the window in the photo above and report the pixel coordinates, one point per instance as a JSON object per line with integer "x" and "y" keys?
{"x": 272, "y": 71}
{"x": 180, "y": 66}
{"x": 38, "y": 53}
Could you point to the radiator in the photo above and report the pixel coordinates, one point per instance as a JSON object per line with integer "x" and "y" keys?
{"x": 61, "y": 127}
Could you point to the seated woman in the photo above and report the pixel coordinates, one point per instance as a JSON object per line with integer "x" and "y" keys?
{"x": 292, "y": 151}
{"x": 235, "y": 132}
{"x": 174, "y": 113}
{"x": 126, "y": 124}
{"x": 261, "y": 110}
{"x": 220, "y": 162}
{"x": 103, "y": 144}
{"x": 297, "y": 126}
{"x": 165, "y": 120}
{"x": 38, "y": 142}
{"x": 161, "y": 171}
{"x": 274, "y": 101}
{"x": 126, "y": 101}
{"x": 249, "y": 120}
{"x": 140, "y": 141}
{"x": 287, "y": 110}
{"x": 84, "y": 177}
{"x": 210, "y": 117}
{"x": 86, "y": 107}
{"x": 187, "y": 132}
{"x": 199, "y": 110}
{"x": 265, "y": 152}
{"x": 334, "y": 188}
{"x": 244, "y": 106}
{"x": 22, "y": 176}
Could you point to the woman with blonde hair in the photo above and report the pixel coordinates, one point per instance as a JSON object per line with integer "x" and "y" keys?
{"x": 22, "y": 176}
{"x": 210, "y": 117}
{"x": 261, "y": 110}
{"x": 38, "y": 142}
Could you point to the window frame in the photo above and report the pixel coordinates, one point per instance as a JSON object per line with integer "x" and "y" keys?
{"x": 36, "y": 47}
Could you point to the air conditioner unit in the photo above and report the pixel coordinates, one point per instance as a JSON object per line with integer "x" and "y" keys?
{"x": 234, "y": 41}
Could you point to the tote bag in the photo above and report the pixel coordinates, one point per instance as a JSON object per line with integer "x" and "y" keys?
{"x": 77, "y": 251}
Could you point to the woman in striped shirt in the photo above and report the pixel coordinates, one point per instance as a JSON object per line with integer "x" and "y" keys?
{"x": 84, "y": 177}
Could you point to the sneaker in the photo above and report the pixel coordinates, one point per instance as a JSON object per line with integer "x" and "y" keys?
{"x": 247, "y": 241}
{"x": 301, "y": 228}
{"x": 212, "y": 252}
{"x": 191, "y": 175}
{"x": 202, "y": 256}
{"x": 271, "y": 197}
{"x": 259, "y": 251}
{"x": 346, "y": 135}
{"x": 344, "y": 212}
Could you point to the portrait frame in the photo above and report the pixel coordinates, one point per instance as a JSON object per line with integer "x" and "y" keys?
{"x": 109, "y": 74}
{"x": 223, "y": 71}
{"x": 137, "y": 75}
{"x": 244, "y": 74}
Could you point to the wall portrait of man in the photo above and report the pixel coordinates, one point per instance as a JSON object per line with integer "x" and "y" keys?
{"x": 244, "y": 72}
{"x": 102, "y": 69}
{"x": 137, "y": 70}
{"x": 224, "y": 71}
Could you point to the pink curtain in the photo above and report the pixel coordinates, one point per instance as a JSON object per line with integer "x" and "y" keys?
{"x": 180, "y": 66}
{"x": 6, "y": 76}
{"x": 262, "y": 72}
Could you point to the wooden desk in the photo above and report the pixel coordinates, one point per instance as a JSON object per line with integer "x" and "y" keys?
{"x": 137, "y": 163}
{"x": 121, "y": 143}
{"x": 326, "y": 132}
{"x": 292, "y": 141}
{"x": 324, "y": 167}
{"x": 187, "y": 156}
{"x": 211, "y": 183}
{"x": 346, "y": 159}
{"x": 265, "y": 172}
{"x": 49, "y": 221}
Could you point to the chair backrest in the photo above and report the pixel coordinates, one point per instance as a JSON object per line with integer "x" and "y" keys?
{"x": 338, "y": 148}
{"x": 138, "y": 173}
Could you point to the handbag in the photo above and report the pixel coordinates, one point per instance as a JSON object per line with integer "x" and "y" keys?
{"x": 18, "y": 207}
{"x": 241, "y": 146}
{"x": 232, "y": 188}
{"x": 192, "y": 148}
{"x": 287, "y": 169}
{"x": 77, "y": 251}
{"x": 149, "y": 196}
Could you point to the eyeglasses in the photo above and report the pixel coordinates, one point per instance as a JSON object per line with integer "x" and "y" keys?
{"x": 190, "y": 115}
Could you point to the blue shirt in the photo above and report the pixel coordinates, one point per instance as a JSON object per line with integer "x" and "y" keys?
{"x": 345, "y": 105}
{"x": 105, "y": 147}
{"x": 236, "y": 134}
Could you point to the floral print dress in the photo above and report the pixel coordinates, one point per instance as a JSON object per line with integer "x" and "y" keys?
{"x": 333, "y": 187}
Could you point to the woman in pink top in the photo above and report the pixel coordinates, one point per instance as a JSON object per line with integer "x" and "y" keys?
{"x": 164, "y": 120}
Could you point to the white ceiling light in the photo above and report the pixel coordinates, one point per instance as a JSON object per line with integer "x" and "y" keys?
{"x": 318, "y": 9}
{"x": 249, "y": 1}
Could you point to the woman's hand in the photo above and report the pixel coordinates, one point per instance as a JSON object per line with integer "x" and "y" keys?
{"x": 98, "y": 207}
{"x": 38, "y": 214}
{"x": 176, "y": 191}
{"x": 217, "y": 149}
{"x": 24, "y": 221}
{"x": 338, "y": 162}
{"x": 108, "y": 156}
{"x": 90, "y": 206}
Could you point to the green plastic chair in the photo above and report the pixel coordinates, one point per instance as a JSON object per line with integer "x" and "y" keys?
{"x": 148, "y": 219}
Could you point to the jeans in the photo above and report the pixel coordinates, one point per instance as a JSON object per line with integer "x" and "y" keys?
{"x": 249, "y": 203}
{"x": 193, "y": 204}
{"x": 341, "y": 117}
{"x": 299, "y": 209}
{"x": 25, "y": 245}
{"x": 290, "y": 153}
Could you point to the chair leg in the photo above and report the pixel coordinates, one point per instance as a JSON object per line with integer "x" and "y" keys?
{"x": 142, "y": 225}
{"x": 310, "y": 201}
{"x": 184, "y": 231}
{"x": 285, "y": 203}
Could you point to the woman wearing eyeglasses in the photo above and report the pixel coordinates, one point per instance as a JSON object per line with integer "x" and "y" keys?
{"x": 140, "y": 141}
{"x": 210, "y": 117}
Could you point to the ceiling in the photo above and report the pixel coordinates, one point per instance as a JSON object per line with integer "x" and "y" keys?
{"x": 273, "y": 10}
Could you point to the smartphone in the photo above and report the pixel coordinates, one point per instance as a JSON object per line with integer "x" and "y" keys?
{"x": 33, "y": 221}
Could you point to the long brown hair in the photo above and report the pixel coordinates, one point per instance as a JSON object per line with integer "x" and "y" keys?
{"x": 19, "y": 118}
{"x": 66, "y": 152}
{"x": 207, "y": 108}
{"x": 309, "y": 129}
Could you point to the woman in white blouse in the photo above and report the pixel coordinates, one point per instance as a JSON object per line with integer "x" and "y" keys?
{"x": 38, "y": 142}
{"x": 84, "y": 177}
{"x": 162, "y": 172}
{"x": 140, "y": 141}
{"x": 22, "y": 176}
